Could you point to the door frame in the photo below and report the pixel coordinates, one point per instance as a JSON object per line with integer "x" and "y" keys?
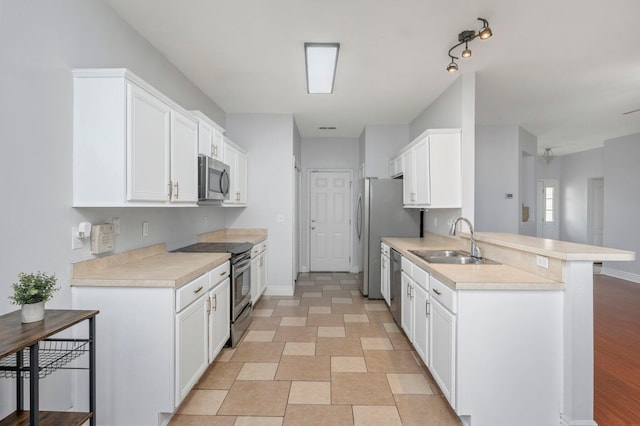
{"x": 591, "y": 207}
{"x": 350, "y": 212}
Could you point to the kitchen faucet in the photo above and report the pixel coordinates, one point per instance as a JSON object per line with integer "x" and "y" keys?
{"x": 475, "y": 250}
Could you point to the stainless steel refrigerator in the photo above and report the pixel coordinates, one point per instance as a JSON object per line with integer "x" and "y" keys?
{"x": 380, "y": 214}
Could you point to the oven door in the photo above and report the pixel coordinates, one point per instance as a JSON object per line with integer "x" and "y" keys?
{"x": 241, "y": 285}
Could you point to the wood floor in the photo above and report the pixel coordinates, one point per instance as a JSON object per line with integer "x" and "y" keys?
{"x": 617, "y": 351}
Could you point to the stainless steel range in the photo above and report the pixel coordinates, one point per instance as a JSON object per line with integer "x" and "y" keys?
{"x": 240, "y": 282}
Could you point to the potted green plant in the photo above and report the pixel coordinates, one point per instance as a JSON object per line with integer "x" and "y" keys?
{"x": 31, "y": 291}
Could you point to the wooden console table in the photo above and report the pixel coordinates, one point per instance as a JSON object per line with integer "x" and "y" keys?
{"x": 46, "y": 354}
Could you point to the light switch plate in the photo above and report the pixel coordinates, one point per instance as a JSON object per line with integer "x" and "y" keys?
{"x": 145, "y": 229}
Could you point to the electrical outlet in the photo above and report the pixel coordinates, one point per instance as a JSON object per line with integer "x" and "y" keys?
{"x": 116, "y": 225}
{"x": 279, "y": 218}
{"x": 145, "y": 229}
{"x": 76, "y": 243}
{"x": 542, "y": 261}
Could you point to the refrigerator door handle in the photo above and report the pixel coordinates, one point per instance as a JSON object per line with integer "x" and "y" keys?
{"x": 359, "y": 217}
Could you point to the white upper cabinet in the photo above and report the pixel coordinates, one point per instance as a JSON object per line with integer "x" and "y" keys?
{"x": 148, "y": 141}
{"x": 210, "y": 137}
{"x": 236, "y": 158}
{"x": 184, "y": 158}
{"x": 432, "y": 175}
{"x": 132, "y": 146}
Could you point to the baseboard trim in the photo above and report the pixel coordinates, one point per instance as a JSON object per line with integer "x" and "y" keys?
{"x": 567, "y": 422}
{"x": 623, "y": 275}
{"x": 354, "y": 270}
{"x": 304, "y": 269}
{"x": 278, "y": 291}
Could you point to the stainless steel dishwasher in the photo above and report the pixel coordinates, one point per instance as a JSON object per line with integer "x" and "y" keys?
{"x": 396, "y": 275}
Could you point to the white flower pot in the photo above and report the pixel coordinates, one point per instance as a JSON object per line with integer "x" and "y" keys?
{"x": 33, "y": 312}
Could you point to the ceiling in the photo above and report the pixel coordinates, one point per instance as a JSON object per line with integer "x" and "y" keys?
{"x": 565, "y": 71}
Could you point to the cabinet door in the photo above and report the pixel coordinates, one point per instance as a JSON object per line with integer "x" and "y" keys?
{"x": 262, "y": 273}
{"x": 407, "y": 307}
{"x": 408, "y": 180}
{"x": 241, "y": 182}
{"x": 442, "y": 349}
{"x": 255, "y": 279}
{"x": 148, "y": 139}
{"x": 219, "y": 326}
{"x": 217, "y": 145}
{"x": 445, "y": 171}
{"x": 184, "y": 158}
{"x": 420, "y": 323}
{"x": 191, "y": 347}
{"x": 421, "y": 173}
{"x": 230, "y": 158}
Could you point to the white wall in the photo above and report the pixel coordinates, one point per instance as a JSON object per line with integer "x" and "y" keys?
{"x": 454, "y": 108}
{"x": 380, "y": 144}
{"x": 528, "y": 148}
{"x": 269, "y": 139}
{"x": 576, "y": 170}
{"x": 40, "y": 42}
{"x": 622, "y": 201}
{"x": 497, "y": 153}
{"x": 328, "y": 153}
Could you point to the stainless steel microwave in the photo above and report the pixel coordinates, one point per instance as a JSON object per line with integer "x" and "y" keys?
{"x": 213, "y": 179}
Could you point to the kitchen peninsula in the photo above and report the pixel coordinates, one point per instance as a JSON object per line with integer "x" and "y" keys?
{"x": 519, "y": 348}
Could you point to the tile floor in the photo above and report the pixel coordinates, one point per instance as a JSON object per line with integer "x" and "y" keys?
{"x": 325, "y": 356}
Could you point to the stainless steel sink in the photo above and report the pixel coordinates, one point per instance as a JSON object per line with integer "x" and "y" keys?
{"x": 453, "y": 257}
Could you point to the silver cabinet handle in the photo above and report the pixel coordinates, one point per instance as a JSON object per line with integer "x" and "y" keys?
{"x": 223, "y": 273}
{"x": 208, "y": 306}
{"x": 170, "y": 190}
{"x": 426, "y": 306}
{"x": 177, "y": 186}
{"x": 436, "y": 291}
{"x": 215, "y": 306}
{"x": 198, "y": 290}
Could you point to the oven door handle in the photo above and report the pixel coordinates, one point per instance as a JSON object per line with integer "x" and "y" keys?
{"x": 241, "y": 266}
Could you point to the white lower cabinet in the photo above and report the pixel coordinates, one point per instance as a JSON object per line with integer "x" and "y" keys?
{"x": 258, "y": 270}
{"x": 191, "y": 346}
{"x": 443, "y": 349}
{"x": 154, "y": 344}
{"x": 406, "y": 288}
{"x": 219, "y": 315}
{"x": 421, "y": 322}
{"x": 385, "y": 277}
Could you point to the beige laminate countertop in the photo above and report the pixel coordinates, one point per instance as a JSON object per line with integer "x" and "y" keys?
{"x": 253, "y": 236}
{"x": 557, "y": 249}
{"x": 148, "y": 267}
{"x": 471, "y": 277}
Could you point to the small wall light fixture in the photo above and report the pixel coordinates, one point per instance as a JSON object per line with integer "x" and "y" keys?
{"x": 464, "y": 38}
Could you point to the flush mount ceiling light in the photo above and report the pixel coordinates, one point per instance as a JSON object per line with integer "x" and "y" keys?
{"x": 321, "y": 60}
{"x": 464, "y": 38}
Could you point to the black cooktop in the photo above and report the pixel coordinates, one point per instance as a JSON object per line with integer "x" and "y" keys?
{"x": 232, "y": 248}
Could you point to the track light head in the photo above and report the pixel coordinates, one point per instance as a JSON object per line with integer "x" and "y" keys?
{"x": 466, "y": 53}
{"x": 485, "y": 32}
{"x": 453, "y": 67}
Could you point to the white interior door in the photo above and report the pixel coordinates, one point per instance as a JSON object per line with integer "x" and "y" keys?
{"x": 548, "y": 202}
{"x": 329, "y": 220}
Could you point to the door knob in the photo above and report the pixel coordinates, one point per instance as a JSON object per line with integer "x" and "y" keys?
{"x": 313, "y": 220}
{"x": 313, "y": 227}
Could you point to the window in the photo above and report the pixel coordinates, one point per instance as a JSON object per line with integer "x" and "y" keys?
{"x": 548, "y": 204}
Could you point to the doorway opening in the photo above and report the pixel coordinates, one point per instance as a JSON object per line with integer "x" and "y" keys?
{"x": 547, "y": 197}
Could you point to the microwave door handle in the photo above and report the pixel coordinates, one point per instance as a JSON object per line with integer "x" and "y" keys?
{"x": 224, "y": 182}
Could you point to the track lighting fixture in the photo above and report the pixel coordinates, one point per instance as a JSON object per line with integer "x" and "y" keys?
{"x": 464, "y": 38}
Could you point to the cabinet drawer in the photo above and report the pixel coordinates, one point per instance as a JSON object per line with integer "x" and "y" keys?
{"x": 258, "y": 248}
{"x": 191, "y": 291}
{"x": 443, "y": 294}
{"x": 421, "y": 277}
{"x": 219, "y": 274}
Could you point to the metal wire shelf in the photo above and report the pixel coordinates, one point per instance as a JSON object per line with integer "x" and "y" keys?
{"x": 53, "y": 355}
